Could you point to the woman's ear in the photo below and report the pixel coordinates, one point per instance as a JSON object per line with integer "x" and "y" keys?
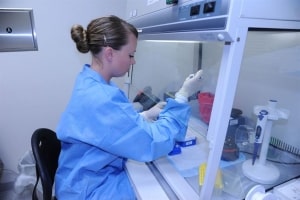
{"x": 108, "y": 53}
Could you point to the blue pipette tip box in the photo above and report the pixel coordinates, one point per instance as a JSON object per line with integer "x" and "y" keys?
{"x": 188, "y": 141}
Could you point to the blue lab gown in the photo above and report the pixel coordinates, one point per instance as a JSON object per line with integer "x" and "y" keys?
{"x": 99, "y": 130}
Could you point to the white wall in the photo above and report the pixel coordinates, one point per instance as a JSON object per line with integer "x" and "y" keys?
{"x": 35, "y": 86}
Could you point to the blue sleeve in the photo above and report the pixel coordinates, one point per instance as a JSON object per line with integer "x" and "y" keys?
{"x": 107, "y": 120}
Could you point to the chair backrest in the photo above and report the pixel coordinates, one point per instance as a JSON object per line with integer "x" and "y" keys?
{"x": 46, "y": 148}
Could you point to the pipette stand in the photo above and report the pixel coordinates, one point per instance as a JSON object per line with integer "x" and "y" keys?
{"x": 265, "y": 172}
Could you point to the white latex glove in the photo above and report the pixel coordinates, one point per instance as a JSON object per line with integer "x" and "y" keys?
{"x": 152, "y": 113}
{"x": 190, "y": 86}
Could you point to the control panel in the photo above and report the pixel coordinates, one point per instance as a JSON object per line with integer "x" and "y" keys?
{"x": 200, "y": 9}
{"x": 186, "y": 16}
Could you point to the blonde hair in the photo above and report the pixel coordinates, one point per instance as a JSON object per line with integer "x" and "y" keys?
{"x": 101, "y": 32}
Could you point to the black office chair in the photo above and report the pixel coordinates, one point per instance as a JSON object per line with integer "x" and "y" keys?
{"x": 46, "y": 148}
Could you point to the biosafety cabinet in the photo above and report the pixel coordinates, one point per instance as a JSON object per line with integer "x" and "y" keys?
{"x": 244, "y": 117}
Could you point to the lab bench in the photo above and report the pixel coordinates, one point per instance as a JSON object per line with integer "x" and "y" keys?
{"x": 177, "y": 177}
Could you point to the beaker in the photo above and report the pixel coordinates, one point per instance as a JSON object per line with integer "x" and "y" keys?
{"x": 244, "y": 135}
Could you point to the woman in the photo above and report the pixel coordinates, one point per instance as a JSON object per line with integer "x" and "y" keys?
{"x": 100, "y": 129}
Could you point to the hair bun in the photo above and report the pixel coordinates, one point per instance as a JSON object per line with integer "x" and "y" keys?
{"x": 78, "y": 34}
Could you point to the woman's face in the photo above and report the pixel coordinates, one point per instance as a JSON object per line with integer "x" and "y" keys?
{"x": 124, "y": 58}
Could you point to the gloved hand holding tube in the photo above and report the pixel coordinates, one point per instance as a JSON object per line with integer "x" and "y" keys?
{"x": 190, "y": 86}
{"x": 152, "y": 113}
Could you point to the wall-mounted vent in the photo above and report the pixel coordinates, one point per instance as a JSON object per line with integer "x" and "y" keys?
{"x": 17, "y": 31}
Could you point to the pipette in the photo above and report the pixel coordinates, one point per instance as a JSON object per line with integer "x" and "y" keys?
{"x": 262, "y": 118}
{"x": 262, "y": 171}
